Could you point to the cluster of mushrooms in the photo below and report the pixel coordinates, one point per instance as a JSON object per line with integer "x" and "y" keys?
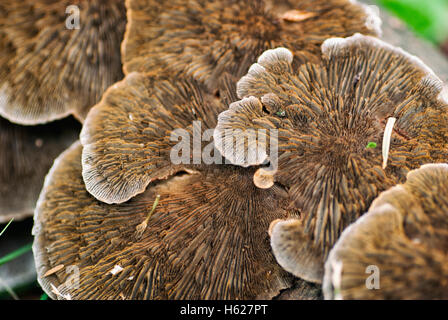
{"x": 361, "y": 132}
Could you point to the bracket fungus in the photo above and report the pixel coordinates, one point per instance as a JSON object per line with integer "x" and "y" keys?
{"x": 205, "y": 38}
{"x": 26, "y": 155}
{"x": 206, "y": 236}
{"x": 53, "y": 62}
{"x": 324, "y": 114}
{"x": 128, "y": 138}
{"x": 401, "y": 244}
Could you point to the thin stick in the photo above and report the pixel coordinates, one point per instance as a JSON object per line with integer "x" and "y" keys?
{"x": 4, "y": 229}
{"x": 386, "y": 139}
{"x": 142, "y": 226}
{"x": 9, "y": 289}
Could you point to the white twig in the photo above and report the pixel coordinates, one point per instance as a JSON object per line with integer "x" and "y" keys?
{"x": 386, "y": 139}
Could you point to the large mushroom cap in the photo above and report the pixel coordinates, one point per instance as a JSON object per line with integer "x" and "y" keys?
{"x": 48, "y": 71}
{"x": 206, "y": 239}
{"x": 204, "y": 38}
{"x": 207, "y": 236}
{"x": 348, "y": 128}
{"x": 403, "y": 237}
{"x": 128, "y": 138}
{"x": 26, "y": 155}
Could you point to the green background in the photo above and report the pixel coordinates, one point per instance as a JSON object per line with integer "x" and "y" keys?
{"x": 429, "y": 18}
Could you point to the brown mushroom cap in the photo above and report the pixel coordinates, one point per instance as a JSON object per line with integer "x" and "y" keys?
{"x": 404, "y": 235}
{"x": 206, "y": 239}
{"x": 326, "y": 114}
{"x": 204, "y": 38}
{"x": 127, "y": 136}
{"x": 48, "y": 71}
{"x": 294, "y": 251}
{"x": 26, "y": 155}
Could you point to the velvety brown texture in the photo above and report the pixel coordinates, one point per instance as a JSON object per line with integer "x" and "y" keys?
{"x": 404, "y": 235}
{"x": 48, "y": 71}
{"x": 325, "y": 115}
{"x": 206, "y": 239}
{"x": 127, "y": 136}
{"x": 205, "y": 38}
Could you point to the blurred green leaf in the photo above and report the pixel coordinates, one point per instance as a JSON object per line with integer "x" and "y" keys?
{"x": 15, "y": 254}
{"x": 429, "y": 18}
